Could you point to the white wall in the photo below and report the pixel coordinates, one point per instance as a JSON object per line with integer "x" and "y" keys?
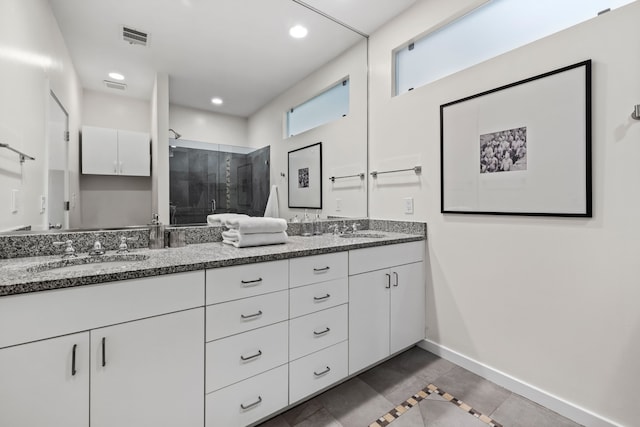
{"x": 552, "y": 302}
{"x": 160, "y": 147}
{"x": 112, "y": 201}
{"x": 344, "y": 141}
{"x": 207, "y": 126}
{"x": 33, "y": 61}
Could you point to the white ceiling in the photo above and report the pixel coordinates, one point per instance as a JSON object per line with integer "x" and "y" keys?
{"x": 239, "y": 50}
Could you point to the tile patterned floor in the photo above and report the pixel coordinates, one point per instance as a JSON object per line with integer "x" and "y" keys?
{"x": 360, "y": 401}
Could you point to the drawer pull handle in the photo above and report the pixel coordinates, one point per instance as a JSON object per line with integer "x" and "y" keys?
{"x": 319, "y": 374}
{"x": 388, "y": 285}
{"x": 395, "y": 285}
{"x": 104, "y": 352}
{"x": 320, "y": 270}
{"x": 251, "y": 316}
{"x": 251, "y": 405}
{"x": 251, "y": 282}
{"x": 253, "y": 356}
{"x": 326, "y": 330}
{"x": 321, "y": 298}
{"x": 73, "y": 361}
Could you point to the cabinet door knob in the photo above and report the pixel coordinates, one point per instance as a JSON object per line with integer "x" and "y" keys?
{"x": 253, "y": 356}
{"x": 324, "y": 331}
{"x": 320, "y": 270}
{"x": 73, "y": 360}
{"x": 251, "y": 405}
{"x": 395, "y": 285}
{"x": 321, "y": 298}
{"x": 251, "y": 316}
{"x": 388, "y": 285}
{"x": 319, "y": 374}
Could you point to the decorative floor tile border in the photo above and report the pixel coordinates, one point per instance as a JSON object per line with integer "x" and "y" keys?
{"x": 396, "y": 412}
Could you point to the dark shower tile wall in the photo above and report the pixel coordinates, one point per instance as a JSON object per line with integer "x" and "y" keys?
{"x": 237, "y": 183}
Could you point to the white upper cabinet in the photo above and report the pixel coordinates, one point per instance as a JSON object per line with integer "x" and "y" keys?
{"x": 115, "y": 152}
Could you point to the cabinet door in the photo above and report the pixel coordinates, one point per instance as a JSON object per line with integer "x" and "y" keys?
{"x": 368, "y": 318}
{"x": 41, "y": 386}
{"x": 407, "y": 305}
{"x": 99, "y": 151}
{"x": 149, "y": 372}
{"x": 134, "y": 157}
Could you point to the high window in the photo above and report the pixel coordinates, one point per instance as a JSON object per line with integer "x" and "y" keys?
{"x": 491, "y": 30}
{"x": 329, "y": 105}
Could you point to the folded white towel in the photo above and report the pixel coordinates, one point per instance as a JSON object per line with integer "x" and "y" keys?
{"x": 240, "y": 240}
{"x": 272, "y": 210}
{"x": 219, "y": 219}
{"x": 256, "y": 225}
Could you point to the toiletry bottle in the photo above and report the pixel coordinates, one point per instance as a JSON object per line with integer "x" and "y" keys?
{"x": 307, "y": 225}
{"x": 317, "y": 225}
{"x": 156, "y": 233}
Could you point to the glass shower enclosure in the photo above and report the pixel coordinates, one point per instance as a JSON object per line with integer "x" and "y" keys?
{"x": 209, "y": 178}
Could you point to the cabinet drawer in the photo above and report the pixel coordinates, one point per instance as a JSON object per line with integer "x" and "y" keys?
{"x": 316, "y": 331}
{"x": 318, "y": 268}
{"x": 248, "y": 401}
{"x": 64, "y": 311}
{"x": 241, "y": 356}
{"x": 379, "y": 257}
{"x": 319, "y": 296}
{"x": 243, "y": 315}
{"x": 242, "y": 281}
{"x": 317, "y": 371}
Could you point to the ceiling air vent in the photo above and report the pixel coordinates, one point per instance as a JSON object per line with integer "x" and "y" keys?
{"x": 115, "y": 85}
{"x": 134, "y": 36}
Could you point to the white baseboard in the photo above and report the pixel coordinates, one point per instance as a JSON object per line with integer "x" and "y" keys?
{"x": 556, "y": 404}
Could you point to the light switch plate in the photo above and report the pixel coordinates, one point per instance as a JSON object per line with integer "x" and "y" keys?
{"x": 15, "y": 201}
{"x": 338, "y": 205}
{"x": 408, "y": 205}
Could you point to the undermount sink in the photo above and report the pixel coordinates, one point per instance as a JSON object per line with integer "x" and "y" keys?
{"x": 89, "y": 263}
{"x": 362, "y": 236}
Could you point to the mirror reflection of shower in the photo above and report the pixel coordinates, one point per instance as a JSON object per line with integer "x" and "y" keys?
{"x": 207, "y": 178}
{"x": 176, "y": 135}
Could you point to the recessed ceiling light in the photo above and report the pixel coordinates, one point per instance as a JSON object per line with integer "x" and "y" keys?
{"x": 298, "y": 32}
{"x": 116, "y": 76}
{"x": 216, "y": 101}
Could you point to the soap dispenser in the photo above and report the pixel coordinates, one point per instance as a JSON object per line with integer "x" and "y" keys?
{"x": 307, "y": 225}
{"x": 317, "y": 225}
{"x": 156, "y": 233}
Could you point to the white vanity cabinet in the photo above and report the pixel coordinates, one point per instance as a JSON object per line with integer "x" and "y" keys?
{"x": 45, "y": 383}
{"x": 386, "y": 302}
{"x": 149, "y": 372}
{"x": 115, "y": 152}
{"x": 127, "y": 353}
{"x": 318, "y": 328}
{"x": 247, "y": 342}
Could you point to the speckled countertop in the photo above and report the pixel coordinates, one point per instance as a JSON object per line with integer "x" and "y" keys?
{"x": 22, "y": 275}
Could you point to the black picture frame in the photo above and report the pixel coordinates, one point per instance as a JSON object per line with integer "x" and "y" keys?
{"x": 520, "y": 149}
{"x": 305, "y": 177}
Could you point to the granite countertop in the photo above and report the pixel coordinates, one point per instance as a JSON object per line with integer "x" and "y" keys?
{"x": 22, "y": 275}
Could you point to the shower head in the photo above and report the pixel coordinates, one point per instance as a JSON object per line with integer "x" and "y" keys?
{"x": 176, "y": 134}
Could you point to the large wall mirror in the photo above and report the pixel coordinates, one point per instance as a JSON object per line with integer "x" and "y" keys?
{"x": 58, "y": 55}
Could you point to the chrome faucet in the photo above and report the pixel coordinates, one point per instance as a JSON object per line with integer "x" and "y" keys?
{"x": 123, "y": 248}
{"x": 97, "y": 249}
{"x": 69, "y": 251}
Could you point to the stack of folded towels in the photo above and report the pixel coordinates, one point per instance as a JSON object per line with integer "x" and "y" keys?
{"x": 254, "y": 231}
{"x": 220, "y": 219}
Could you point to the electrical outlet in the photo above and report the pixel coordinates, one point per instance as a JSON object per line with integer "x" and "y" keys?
{"x": 338, "y": 205}
{"x": 43, "y": 204}
{"x": 408, "y": 205}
